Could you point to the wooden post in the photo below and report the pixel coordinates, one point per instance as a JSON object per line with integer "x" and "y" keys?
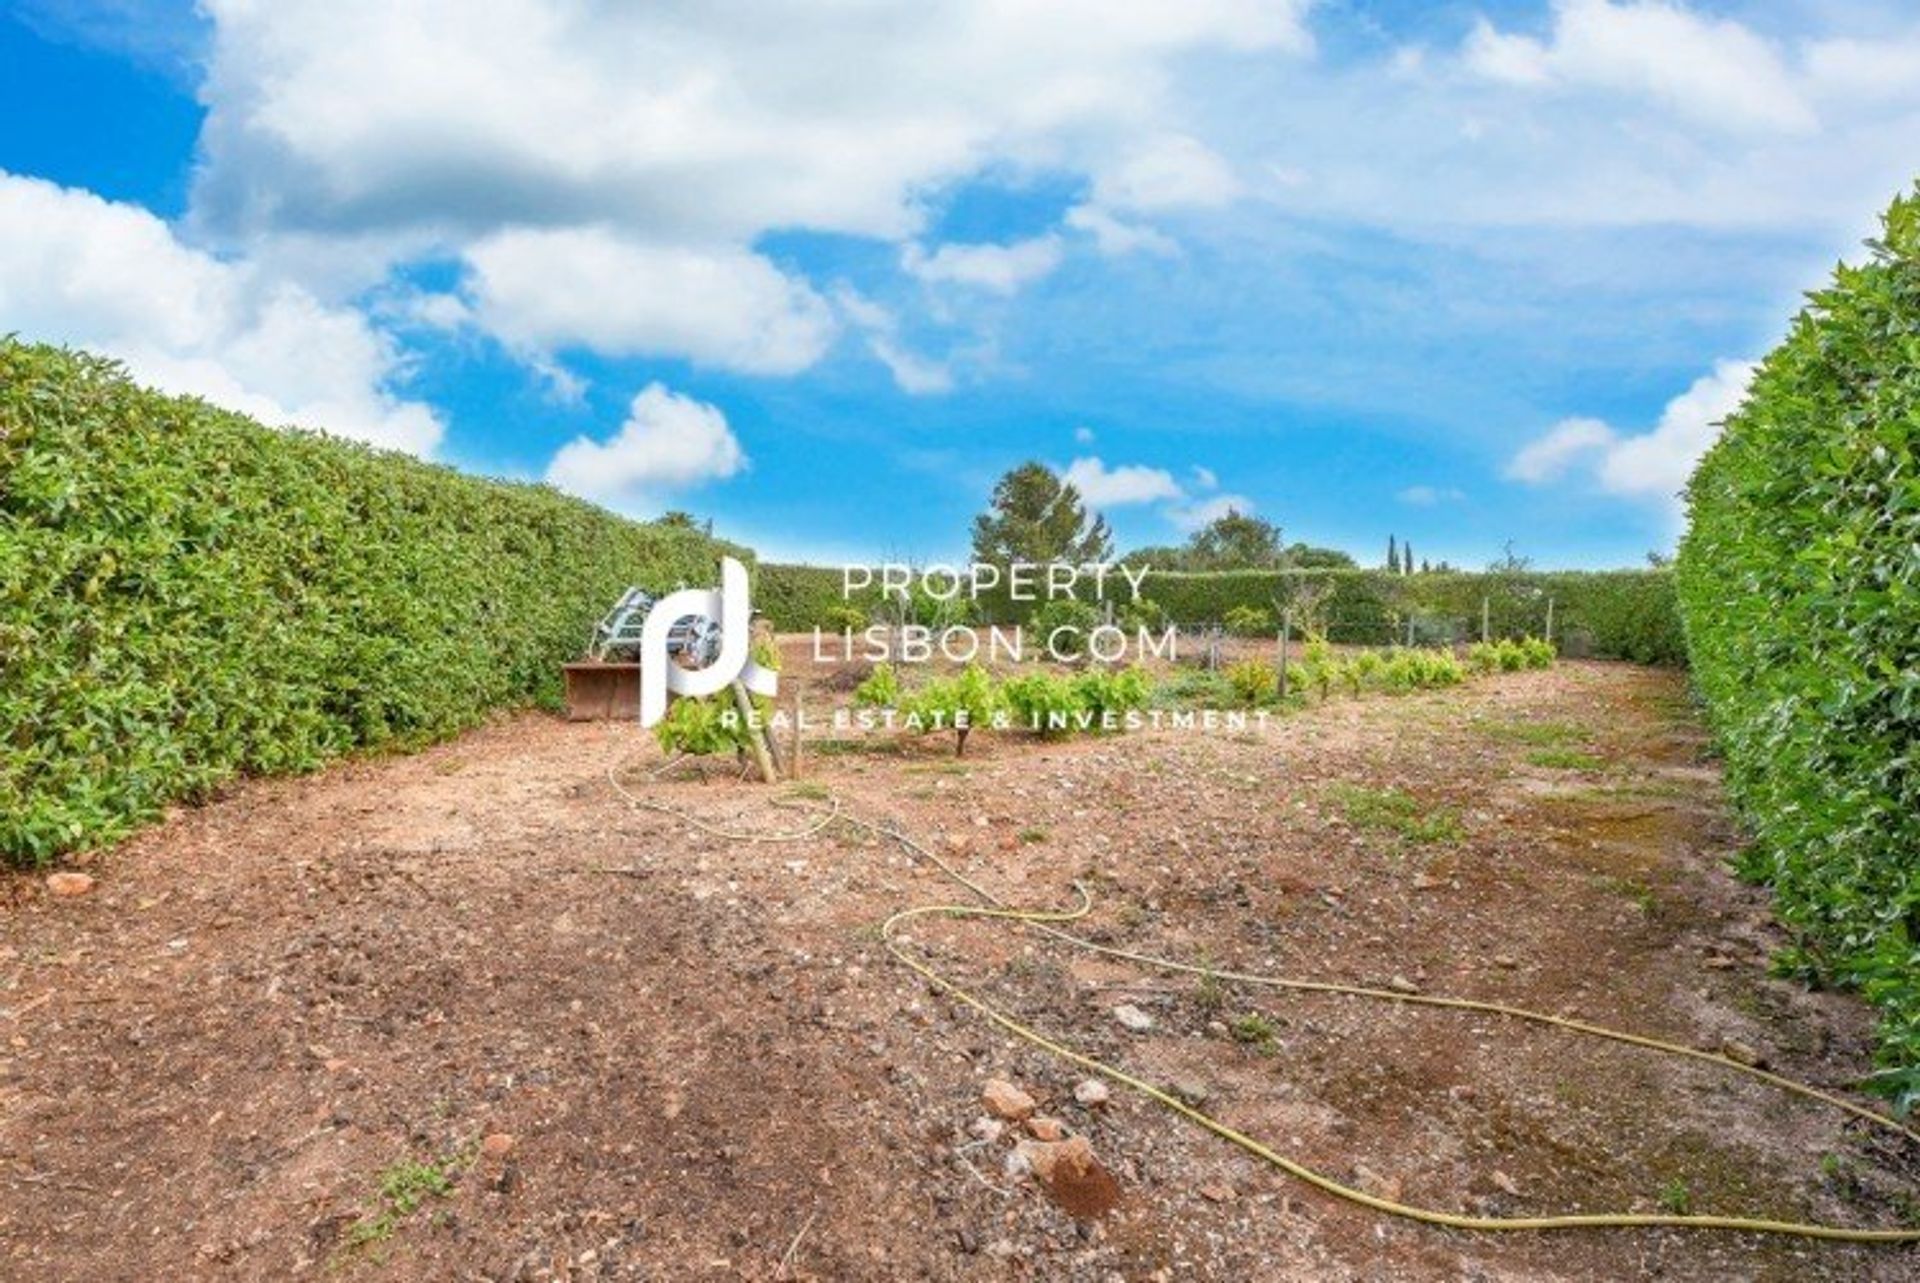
{"x": 1485, "y": 615}
{"x": 799, "y": 711}
{"x": 1549, "y": 619}
{"x": 756, "y": 743}
{"x": 1286, "y": 628}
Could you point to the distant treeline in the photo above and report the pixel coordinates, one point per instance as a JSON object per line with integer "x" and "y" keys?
{"x": 1624, "y": 614}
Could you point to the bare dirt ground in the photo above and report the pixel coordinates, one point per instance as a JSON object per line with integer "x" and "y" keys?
{"x": 703, "y": 1064}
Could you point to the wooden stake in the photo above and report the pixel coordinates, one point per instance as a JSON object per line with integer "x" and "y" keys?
{"x": 1549, "y": 619}
{"x": 755, "y": 742}
{"x": 799, "y": 705}
{"x": 1286, "y": 628}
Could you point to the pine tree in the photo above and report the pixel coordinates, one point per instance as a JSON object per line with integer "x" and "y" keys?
{"x": 1037, "y": 517}
{"x": 1393, "y": 553}
{"x": 1406, "y": 557}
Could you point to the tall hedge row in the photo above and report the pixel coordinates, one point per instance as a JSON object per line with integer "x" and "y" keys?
{"x": 1800, "y": 588}
{"x": 186, "y": 595}
{"x": 1627, "y": 614}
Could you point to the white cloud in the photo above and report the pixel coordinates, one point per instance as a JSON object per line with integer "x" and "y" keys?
{"x": 1001, "y": 269}
{"x": 1659, "y": 462}
{"x": 541, "y": 291}
{"x": 346, "y": 136}
{"x": 1105, "y": 487}
{"x": 1430, "y": 496}
{"x": 668, "y": 442}
{"x": 675, "y": 121}
{"x": 1083, "y": 434}
{"x": 912, "y": 373}
{"x": 1713, "y": 69}
{"x": 1201, "y": 513}
{"x": 1553, "y": 454}
{"x": 1115, "y": 236}
{"x": 1171, "y": 171}
{"x": 1205, "y": 478}
{"x": 113, "y": 278}
{"x": 1655, "y": 463}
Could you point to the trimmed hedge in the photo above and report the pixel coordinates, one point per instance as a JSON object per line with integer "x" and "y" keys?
{"x": 1623, "y": 614}
{"x": 1800, "y": 587}
{"x": 186, "y": 595}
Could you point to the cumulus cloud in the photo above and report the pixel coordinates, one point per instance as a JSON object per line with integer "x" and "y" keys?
{"x": 668, "y": 442}
{"x": 1713, "y": 69}
{"x": 545, "y": 290}
{"x": 111, "y": 277}
{"x": 1171, "y": 171}
{"x": 1115, "y": 236}
{"x": 1201, "y": 513}
{"x": 1659, "y": 462}
{"x": 1655, "y": 463}
{"x": 1105, "y": 487}
{"x": 676, "y": 121}
{"x": 1001, "y": 269}
{"x": 1552, "y": 455}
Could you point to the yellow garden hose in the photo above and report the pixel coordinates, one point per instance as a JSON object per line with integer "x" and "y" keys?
{"x": 1046, "y": 921}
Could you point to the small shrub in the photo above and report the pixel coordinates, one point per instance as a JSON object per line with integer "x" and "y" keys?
{"x": 1144, "y": 613}
{"x": 1114, "y": 693}
{"x": 960, "y": 704}
{"x": 1062, "y": 613}
{"x": 1253, "y": 681}
{"x": 1043, "y": 703}
{"x": 844, "y": 619}
{"x": 881, "y": 689}
{"x": 1248, "y": 621}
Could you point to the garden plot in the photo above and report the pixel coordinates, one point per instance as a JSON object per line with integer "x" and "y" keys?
{"x": 471, "y": 1014}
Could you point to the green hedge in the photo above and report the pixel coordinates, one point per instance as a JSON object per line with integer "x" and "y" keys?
{"x": 1625, "y": 614}
{"x": 186, "y": 595}
{"x": 1800, "y": 586}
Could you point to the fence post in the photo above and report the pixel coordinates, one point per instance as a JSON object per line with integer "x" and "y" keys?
{"x": 1286, "y": 628}
{"x": 1485, "y": 617}
{"x": 799, "y": 711}
{"x": 1549, "y": 620}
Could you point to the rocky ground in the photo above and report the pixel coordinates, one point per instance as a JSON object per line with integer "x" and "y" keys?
{"x": 470, "y": 1014}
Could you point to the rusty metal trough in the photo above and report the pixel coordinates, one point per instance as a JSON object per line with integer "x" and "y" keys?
{"x": 602, "y": 690}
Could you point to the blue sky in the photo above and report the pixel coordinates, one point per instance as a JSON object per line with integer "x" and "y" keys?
{"x": 1463, "y": 273}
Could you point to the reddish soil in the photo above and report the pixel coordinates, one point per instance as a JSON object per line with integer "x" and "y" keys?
{"x": 708, "y": 1068}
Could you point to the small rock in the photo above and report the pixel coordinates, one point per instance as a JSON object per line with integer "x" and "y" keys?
{"x": 497, "y": 1145}
{"x": 1005, "y": 1100}
{"x": 1190, "y": 1090}
{"x": 1217, "y": 1193}
{"x": 1720, "y": 962}
{"x": 1092, "y": 1092}
{"x": 1046, "y": 1128}
{"x": 69, "y": 884}
{"x": 1400, "y": 984}
{"x": 1426, "y": 882}
{"x": 1506, "y": 961}
{"x": 1740, "y": 1053}
{"x": 987, "y": 1129}
{"x": 1504, "y": 1183}
{"x": 1072, "y": 1176}
{"x": 1134, "y": 1019}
